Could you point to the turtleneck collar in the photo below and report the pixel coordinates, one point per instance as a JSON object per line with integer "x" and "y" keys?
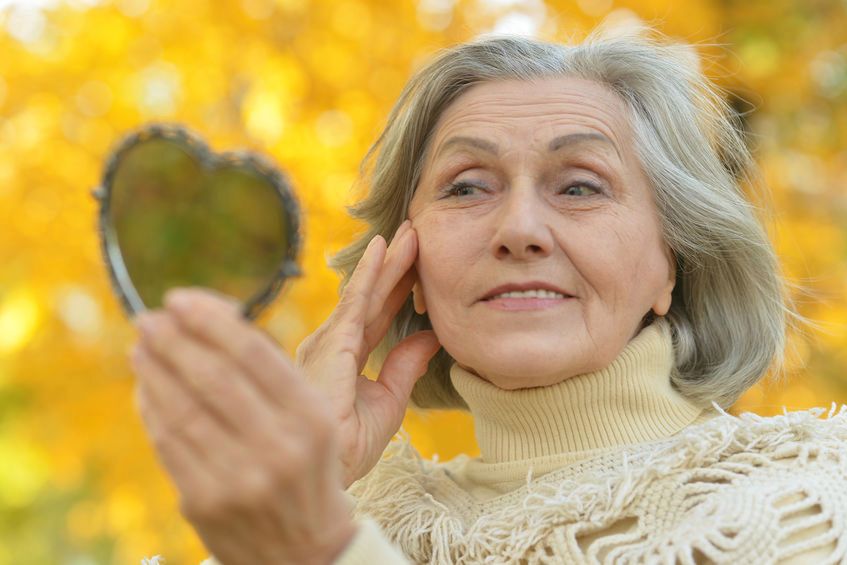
{"x": 630, "y": 401}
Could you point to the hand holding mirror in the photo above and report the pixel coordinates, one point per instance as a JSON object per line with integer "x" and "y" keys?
{"x": 174, "y": 214}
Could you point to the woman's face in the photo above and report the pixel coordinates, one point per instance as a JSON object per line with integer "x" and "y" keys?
{"x": 534, "y": 188}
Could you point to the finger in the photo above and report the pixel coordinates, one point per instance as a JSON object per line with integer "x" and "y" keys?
{"x": 162, "y": 403}
{"x": 200, "y": 465}
{"x": 403, "y": 228}
{"x": 193, "y": 477}
{"x": 355, "y": 299}
{"x": 192, "y": 448}
{"x": 226, "y": 302}
{"x": 398, "y": 260}
{"x": 206, "y": 375}
{"x": 392, "y": 269}
{"x": 375, "y": 331}
{"x": 268, "y": 368}
{"x": 407, "y": 362}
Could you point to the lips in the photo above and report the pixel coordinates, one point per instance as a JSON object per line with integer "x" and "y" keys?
{"x": 524, "y": 286}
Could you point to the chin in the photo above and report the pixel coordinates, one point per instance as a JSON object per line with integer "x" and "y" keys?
{"x": 512, "y": 366}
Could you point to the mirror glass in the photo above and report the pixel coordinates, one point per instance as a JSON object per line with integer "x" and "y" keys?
{"x": 175, "y": 214}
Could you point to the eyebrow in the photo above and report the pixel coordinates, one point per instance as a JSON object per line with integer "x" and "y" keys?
{"x": 554, "y": 145}
{"x": 575, "y": 138}
{"x": 476, "y": 142}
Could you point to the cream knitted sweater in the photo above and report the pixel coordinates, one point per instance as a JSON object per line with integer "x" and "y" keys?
{"x": 611, "y": 467}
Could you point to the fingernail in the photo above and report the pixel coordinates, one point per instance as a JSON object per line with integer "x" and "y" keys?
{"x": 373, "y": 241}
{"x": 178, "y": 299}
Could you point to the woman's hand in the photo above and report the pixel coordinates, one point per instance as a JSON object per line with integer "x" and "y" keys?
{"x": 251, "y": 446}
{"x": 368, "y": 413}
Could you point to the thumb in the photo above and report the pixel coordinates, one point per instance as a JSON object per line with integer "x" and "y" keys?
{"x": 407, "y": 362}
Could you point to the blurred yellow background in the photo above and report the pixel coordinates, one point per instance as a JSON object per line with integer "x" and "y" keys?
{"x": 310, "y": 82}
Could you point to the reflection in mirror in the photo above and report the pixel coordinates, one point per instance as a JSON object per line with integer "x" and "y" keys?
{"x": 174, "y": 214}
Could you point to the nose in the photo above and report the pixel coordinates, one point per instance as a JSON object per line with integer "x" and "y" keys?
{"x": 522, "y": 231}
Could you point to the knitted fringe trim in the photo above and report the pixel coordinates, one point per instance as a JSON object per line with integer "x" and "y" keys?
{"x": 395, "y": 493}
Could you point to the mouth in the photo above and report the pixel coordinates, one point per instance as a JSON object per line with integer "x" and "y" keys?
{"x": 527, "y": 291}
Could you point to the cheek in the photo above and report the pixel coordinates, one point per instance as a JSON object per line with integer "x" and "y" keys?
{"x": 443, "y": 247}
{"x": 437, "y": 266}
{"x": 645, "y": 248}
{"x": 621, "y": 261}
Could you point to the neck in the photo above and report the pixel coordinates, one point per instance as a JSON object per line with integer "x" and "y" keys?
{"x": 630, "y": 401}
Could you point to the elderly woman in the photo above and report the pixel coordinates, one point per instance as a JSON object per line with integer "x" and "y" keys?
{"x": 572, "y": 260}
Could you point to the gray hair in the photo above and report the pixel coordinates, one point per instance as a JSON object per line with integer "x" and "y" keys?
{"x": 729, "y": 310}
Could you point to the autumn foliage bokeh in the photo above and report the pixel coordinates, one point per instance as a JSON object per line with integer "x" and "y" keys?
{"x": 309, "y": 83}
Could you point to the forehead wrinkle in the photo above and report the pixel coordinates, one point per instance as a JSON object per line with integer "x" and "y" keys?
{"x": 602, "y": 99}
{"x": 602, "y": 110}
{"x": 470, "y": 117}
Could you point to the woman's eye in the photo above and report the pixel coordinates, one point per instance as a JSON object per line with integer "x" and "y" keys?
{"x": 581, "y": 189}
{"x": 460, "y": 188}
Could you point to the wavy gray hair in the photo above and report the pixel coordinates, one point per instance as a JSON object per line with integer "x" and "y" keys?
{"x": 730, "y": 309}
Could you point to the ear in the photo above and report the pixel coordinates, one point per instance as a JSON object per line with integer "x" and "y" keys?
{"x": 418, "y": 298}
{"x": 663, "y": 302}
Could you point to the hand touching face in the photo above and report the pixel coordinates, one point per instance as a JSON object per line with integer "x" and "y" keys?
{"x": 540, "y": 245}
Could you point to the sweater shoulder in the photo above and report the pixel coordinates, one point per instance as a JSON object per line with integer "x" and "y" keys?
{"x": 802, "y": 434}
{"x": 761, "y": 479}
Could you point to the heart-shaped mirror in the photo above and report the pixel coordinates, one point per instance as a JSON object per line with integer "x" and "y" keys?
{"x": 175, "y": 214}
